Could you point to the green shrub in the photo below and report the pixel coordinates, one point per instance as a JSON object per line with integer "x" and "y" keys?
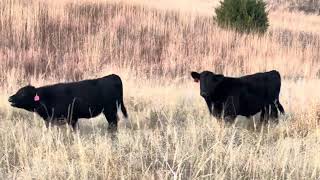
{"x": 243, "y": 15}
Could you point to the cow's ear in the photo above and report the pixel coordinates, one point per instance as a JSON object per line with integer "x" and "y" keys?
{"x": 195, "y": 76}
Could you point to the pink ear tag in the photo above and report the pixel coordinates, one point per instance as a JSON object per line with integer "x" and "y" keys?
{"x": 36, "y": 98}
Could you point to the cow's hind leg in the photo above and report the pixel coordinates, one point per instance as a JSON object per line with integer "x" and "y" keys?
{"x": 74, "y": 124}
{"x": 47, "y": 123}
{"x": 274, "y": 113}
{"x": 112, "y": 119}
{"x": 264, "y": 114}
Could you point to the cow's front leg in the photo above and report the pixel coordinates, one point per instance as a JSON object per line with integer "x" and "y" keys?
{"x": 209, "y": 105}
{"x": 47, "y": 122}
{"x": 230, "y": 109}
{"x": 217, "y": 110}
{"x": 263, "y": 114}
{"x": 74, "y": 124}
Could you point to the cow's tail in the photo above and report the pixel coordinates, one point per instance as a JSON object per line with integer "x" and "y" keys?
{"x": 277, "y": 102}
{"x": 123, "y": 109}
{"x": 279, "y": 106}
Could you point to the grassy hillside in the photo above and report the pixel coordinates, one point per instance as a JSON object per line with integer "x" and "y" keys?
{"x": 153, "y": 46}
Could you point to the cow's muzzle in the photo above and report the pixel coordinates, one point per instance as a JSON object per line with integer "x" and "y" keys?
{"x": 10, "y": 99}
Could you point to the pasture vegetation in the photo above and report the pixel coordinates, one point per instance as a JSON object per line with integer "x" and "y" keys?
{"x": 153, "y": 46}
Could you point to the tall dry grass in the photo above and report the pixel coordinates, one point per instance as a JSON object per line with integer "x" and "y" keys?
{"x": 153, "y": 46}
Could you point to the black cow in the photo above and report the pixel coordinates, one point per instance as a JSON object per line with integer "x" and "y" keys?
{"x": 71, "y": 101}
{"x": 246, "y": 96}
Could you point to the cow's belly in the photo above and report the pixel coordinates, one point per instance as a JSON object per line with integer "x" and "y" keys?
{"x": 249, "y": 109}
{"x": 89, "y": 113}
{"x": 77, "y": 111}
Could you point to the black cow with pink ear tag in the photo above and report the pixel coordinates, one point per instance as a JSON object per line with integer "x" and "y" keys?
{"x": 71, "y": 101}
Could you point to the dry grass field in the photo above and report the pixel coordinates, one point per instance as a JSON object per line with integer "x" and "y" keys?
{"x": 153, "y": 45}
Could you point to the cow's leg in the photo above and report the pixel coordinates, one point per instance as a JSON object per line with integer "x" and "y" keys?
{"x": 74, "y": 124}
{"x": 209, "y": 104}
{"x": 77, "y": 107}
{"x": 217, "y": 110}
{"x": 47, "y": 122}
{"x": 230, "y": 118}
{"x": 112, "y": 119}
{"x": 113, "y": 122}
{"x": 274, "y": 112}
{"x": 265, "y": 113}
{"x": 73, "y": 121}
{"x": 230, "y": 109}
{"x": 262, "y": 115}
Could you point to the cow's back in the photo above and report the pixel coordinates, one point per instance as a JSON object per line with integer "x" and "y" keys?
{"x": 93, "y": 92}
{"x": 265, "y": 84}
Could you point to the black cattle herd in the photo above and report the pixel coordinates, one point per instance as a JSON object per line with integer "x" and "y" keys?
{"x": 226, "y": 98}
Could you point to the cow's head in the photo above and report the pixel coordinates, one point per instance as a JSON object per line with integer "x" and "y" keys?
{"x": 26, "y": 98}
{"x": 208, "y": 82}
